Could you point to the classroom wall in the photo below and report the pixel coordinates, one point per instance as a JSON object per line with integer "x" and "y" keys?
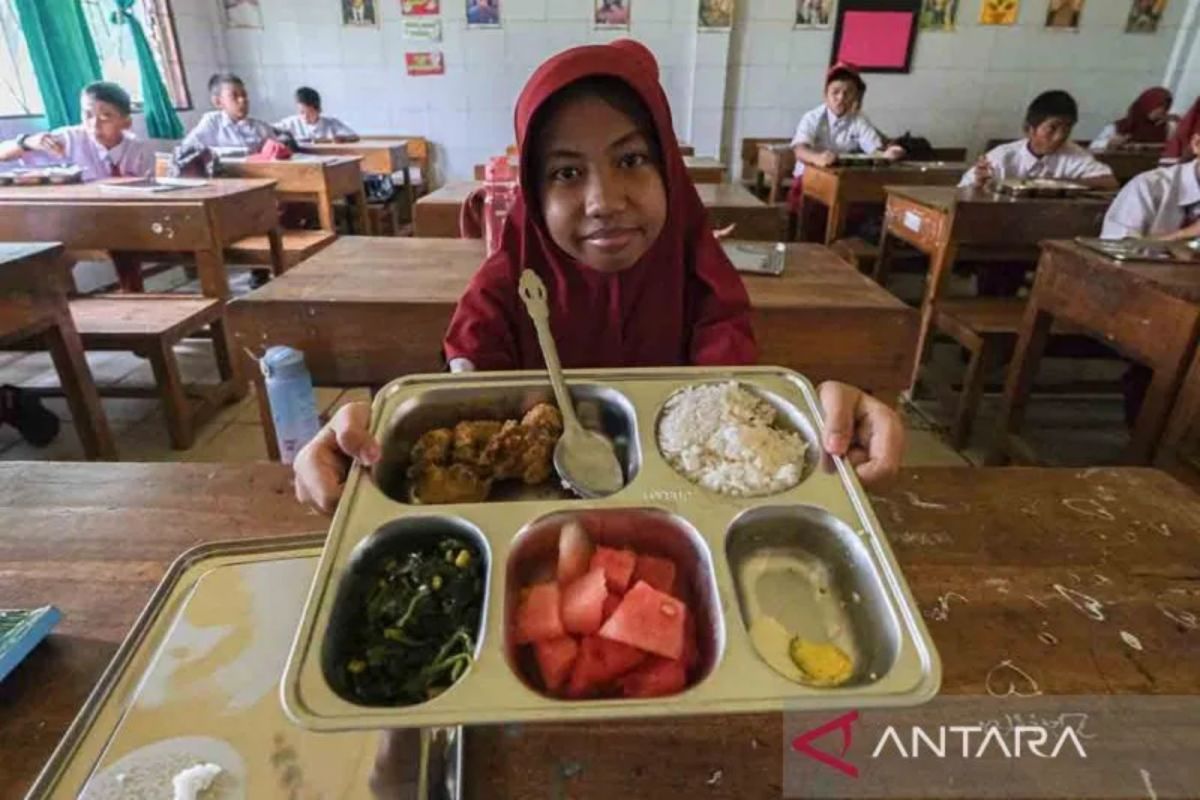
{"x": 965, "y": 87}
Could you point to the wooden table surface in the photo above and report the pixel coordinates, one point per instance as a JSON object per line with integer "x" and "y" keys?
{"x": 840, "y": 187}
{"x": 436, "y": 214}
{"x": 1126, "y": 164}
{"x": 386, "y": 157}
{"x": 367, "y": 310}
{"x": 944, "y": 221}
{"x": 322, "y": 180}
{"x": 1147, "y": 311}
{"x": 1041, "y": 569}
{"x": 704, "y": 169}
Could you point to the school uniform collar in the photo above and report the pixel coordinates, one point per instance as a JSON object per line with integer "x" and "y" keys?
{"x": 1027, "y": 149}
{"x": 234, "y": 122}
{"x": 834, "y": 119}
{"x": 112, "y": 155}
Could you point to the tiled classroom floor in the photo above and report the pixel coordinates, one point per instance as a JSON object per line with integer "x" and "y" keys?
{"x": 1084, "y": 430}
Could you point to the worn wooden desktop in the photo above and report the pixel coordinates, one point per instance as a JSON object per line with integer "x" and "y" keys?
{"x": 367, "y": 310}
{"x": 385, "y": 157}
{"x": 311, "y": 179}
{"x": 436, "y": 213}
{"x": 944, "y": 221}
{"x": 702, "y": 169}
{"x": 840, "y": 187}
{"x": 34, "y": 281}
{"x": 992, "y": 556}
{"x": 1127, "y": 164}
{"x": 776, "y": 162}
{"x": 1148, "y": 311}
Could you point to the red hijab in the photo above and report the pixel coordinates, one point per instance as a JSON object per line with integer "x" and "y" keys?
{"x": 1180, "y": 145}
{"x": 1137, "y": 125}
{"x": 681, "y": 303}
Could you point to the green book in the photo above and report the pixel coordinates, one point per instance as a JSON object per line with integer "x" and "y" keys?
{"x": 20, "y": 631}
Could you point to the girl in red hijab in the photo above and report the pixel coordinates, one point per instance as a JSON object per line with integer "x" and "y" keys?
{"x": 610, "y": 221}
{"x": 1146, "y": 122}
{"x": 1180, "y": 145}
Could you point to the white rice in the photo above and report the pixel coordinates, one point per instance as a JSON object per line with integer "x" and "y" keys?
{"x": 723, "y": 438}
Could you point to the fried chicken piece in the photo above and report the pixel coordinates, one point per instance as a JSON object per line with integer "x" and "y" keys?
{"x": 521, "y": 452}
{"x": 471, "y": 439}
{"x": 546, "y": 417}
{"x": 432, "y": 448}
{"x": 457, "y": 483}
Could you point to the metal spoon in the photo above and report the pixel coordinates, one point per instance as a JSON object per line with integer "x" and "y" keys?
{"x": 585, "y": 460}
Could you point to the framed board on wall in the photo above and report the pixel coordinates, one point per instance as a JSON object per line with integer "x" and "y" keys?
{"x": 876, "y": 35}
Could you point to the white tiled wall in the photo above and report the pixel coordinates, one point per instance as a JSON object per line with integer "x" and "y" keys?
{"x": 965, "y": 87}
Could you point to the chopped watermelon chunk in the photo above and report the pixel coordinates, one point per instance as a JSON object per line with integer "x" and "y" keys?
{"x": 583, "y": 603}
{"x": 658, "y": 572}
{"x": 600, "y": 662}
{"x": 574, "y": 552}
{"x": 555, "y": 657}
{"x": 538, "y": 616}
{"x": 544, "y": 571}
{"x": 650, "y": 620}
{"x": 654, "y": 678}
{"x": 618, "y": 567}
{"x": 691, "y": 646}
{"x": 610, "y": 604}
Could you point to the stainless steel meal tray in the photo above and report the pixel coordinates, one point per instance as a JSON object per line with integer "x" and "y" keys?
{"x": 812, "y": 557}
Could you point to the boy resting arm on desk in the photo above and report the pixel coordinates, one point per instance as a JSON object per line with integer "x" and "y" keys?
{"x": 231, "y": 125}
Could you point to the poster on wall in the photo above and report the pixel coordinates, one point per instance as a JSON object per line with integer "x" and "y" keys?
{"x": 999, "y": 12}
{"x": 612, "y": 14}
{"x": 242, "y": 13}
{"x": 1063, "y": 15}
{"x": 359, "y": 12}
{"x": 939, "y": 15}
{"x": 1144, "y": 16}
{"x": 427, "y": 63}
{"x": 876, "y": 35}
{"x": 427, "y": 30}
{"x": 716, "y": 15}
{"x": 814, "y": 13}
{"x": 420, "y": 8}
{"x": 483, "y": 13}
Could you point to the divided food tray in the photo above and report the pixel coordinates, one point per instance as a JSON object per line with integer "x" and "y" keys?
{"x": 812, "y": 557}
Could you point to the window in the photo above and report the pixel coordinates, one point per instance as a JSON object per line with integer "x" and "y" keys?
{"x": 118, "y": 62}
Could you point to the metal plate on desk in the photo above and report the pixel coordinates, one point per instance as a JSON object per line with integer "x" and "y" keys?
{"x": 1143, "y": 250}
{"x": 197, "y": 680}
{"x": 756, "y": 259}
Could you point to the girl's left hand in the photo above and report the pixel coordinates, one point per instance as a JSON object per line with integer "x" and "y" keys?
{"x": 868, "y": 433}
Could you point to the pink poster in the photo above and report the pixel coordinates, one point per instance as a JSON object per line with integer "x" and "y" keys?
{"x": 876, "y": 39}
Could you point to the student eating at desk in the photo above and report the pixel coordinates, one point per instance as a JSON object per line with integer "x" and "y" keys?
{"x": 1148, "y": 121}
{"x": 101, "y": 145}
{"x": 309, "y": 124}
{"x": 609, "y": 220}
{"x": 1046, "y": 151}
{"x": 231, "y": 124}
{"x": 1162, "y": 204}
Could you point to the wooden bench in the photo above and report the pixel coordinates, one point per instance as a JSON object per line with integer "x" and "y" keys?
{"x": 151, "y": 325}
{"x": 297, "y": 245}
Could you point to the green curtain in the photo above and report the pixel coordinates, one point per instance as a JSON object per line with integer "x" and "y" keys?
{"x": 161, "y": 120}
{"x": 63, "y": 54}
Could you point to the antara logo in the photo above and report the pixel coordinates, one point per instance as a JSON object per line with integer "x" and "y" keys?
{"x": 943, "y": 741}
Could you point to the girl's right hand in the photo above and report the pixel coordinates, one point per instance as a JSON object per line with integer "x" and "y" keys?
{"x": 321, "y": 465}
{"x": 983, "y": 171}
{"x": 47, "y": 143}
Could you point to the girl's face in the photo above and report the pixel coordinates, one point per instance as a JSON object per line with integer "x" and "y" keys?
{"x": 602, "y": 193}
{"x": 841, "y": 97}
{"x": 1159, "y": 114}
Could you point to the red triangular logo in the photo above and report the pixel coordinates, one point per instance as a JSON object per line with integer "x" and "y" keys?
{"x": 803, "y": 743}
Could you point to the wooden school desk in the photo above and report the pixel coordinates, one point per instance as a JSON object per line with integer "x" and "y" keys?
{"x": 944, "y": 221}
{"x": 436, "y": 213}
{"x": 311, "y": 179}
{"x": 367, "y": 310}
{"x": 776, "y": 163}
{"x": 702, "y": 169}
{"x": 385, "y": 157}
{"x": 839, "y": 187}
{"x": 1147, "y": 311}
{"x": 1127, "y": 164}
{"x": 34, "y": 281}
{"x": 1023, "y": 576}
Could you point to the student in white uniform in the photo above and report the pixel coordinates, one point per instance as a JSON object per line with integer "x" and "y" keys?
{"x": 102, "y": 146}
{"x": 1162, "y": 204}
{"x": 309, "y": 124}
{"x": 231, "y": 125}
{"x": 1046, "y": 151}
{"x": 1148, "y": 121}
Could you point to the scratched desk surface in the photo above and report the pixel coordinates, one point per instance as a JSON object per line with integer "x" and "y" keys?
{"x": 1030, "y": 580}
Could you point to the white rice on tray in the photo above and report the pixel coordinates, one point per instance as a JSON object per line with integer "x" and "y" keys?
{"x": 722, "y": 437}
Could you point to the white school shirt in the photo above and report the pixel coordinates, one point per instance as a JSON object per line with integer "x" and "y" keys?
{"x": 323, "y": 128}
{"x": 218, "y": 129}
{"x": 132, "y": 158}
{"x": 1016, "y": 160}
{"x": 1155, "y": 203}
{"x": 820, "y": 129}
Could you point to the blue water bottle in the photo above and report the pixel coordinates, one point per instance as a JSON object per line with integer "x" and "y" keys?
{"x": 290, "y": 395}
